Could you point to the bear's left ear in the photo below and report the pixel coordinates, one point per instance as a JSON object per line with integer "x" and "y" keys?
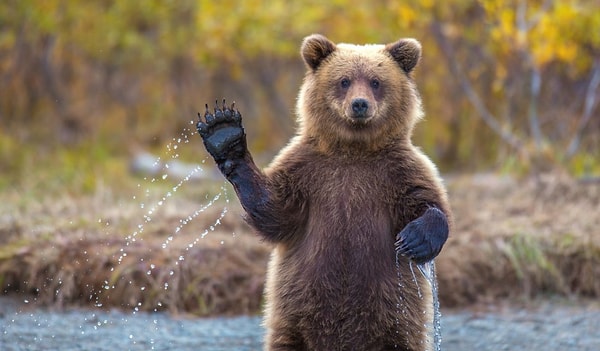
{"x": 406, "y": 52}
{"x": 315, "y": 48}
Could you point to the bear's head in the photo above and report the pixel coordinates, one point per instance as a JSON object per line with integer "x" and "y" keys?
{"x": 360, "y": 95}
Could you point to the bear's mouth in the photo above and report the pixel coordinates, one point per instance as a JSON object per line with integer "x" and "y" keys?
{"x": 359, "y": 117}
{"x": 359, "y": 122}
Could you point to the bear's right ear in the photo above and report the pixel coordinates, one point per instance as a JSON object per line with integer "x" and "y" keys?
{"x": 315, "y": 48}
{"x": 406, "y": 52}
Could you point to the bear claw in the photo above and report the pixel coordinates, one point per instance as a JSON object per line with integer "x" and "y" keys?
{"x": 222, "y": 132}
{"x": 422, "y": 239}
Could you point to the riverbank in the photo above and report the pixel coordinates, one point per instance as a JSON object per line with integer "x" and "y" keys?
{"x": 183, "y": 248}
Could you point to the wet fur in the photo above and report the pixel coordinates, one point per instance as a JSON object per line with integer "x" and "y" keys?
{"x": 337, "y": 276}
{"x": 333, "y": 201}
{"x": 349, "y": 189}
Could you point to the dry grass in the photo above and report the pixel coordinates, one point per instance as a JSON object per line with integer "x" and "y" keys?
{"x": 512, "y": 240}
{"x": 521, "y": 239}
{"x": 102, "y": 250}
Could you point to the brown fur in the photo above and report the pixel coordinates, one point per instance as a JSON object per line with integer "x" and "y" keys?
{"x": 349, "y": 187}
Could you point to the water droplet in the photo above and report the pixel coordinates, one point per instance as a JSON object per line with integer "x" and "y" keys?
{"x": 415, "y": 280}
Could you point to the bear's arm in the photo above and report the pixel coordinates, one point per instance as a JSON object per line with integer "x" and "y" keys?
{"x": 272, "y": 207}
{"x": 268, "y": 204}
{"x": 254, "y": 194}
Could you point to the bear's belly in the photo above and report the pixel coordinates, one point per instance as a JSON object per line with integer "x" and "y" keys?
{"x": 356, "y": 303}
{"x": 344, "y": 286}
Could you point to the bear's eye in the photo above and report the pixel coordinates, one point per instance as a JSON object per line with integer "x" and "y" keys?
{"x": 375, "y": 83}
{"x": 345, "y": 83}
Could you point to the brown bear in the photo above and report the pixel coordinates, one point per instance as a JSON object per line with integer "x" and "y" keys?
{"x": 349, "y": 203}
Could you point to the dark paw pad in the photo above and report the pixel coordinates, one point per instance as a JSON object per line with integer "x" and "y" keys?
{"x": 222, "y": 132}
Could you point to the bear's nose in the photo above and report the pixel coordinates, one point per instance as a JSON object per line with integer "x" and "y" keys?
{"x": 360, "y": 107}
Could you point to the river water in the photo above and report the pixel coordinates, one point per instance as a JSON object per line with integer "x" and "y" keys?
{"x": 36, "y": 329}
{"x": 550, "y": 327}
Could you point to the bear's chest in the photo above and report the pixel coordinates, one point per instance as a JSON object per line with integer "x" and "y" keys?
{"x": 350, "y": 220}
{"x": 349, "y": 193}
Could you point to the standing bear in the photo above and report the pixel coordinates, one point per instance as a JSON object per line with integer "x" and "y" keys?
{"x": 349, "y": 204}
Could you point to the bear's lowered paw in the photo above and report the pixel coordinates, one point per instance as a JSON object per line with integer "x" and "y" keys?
{"x": 422, "y": 239}
{"x": 222, "y": 133}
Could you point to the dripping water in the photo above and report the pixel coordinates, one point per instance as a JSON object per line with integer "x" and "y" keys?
{"x": 400, "y": 305}
{"x": 412, "y": 271}
{"x": 428, "y": 271}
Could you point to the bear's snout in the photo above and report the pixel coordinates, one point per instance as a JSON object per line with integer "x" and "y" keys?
{"x": 359, "y": 108}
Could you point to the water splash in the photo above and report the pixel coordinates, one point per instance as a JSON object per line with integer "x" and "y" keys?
{"x": 428, "y": 271}
{"x": 163, "y": 171}
{"x": 147, "y": 217}
{"x": 148, "y": 201}
{"x": 210, "y": 228}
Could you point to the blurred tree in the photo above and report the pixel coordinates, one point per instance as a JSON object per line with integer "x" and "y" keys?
{"x": 526, "y": 46}
{"x": 500, "y": 80}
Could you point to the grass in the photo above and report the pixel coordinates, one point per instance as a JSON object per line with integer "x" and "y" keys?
{"x": 77, "y": 229}
{"x": 101, "y": 250}
{"x": 530, "y": 262}
{"x": 73, "y": 232}
{"x": 521, "y": 239}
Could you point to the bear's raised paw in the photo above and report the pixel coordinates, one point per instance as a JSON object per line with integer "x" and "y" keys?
{"x": 222, "y": 133}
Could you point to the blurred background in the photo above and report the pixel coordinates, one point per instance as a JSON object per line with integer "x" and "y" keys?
{"x": 507, "y": 85}
{"x": 511, "y": 92}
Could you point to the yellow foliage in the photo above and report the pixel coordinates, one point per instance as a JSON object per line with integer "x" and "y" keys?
{"x": 547, "y": 33}
{"x": 121, "y": 68}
